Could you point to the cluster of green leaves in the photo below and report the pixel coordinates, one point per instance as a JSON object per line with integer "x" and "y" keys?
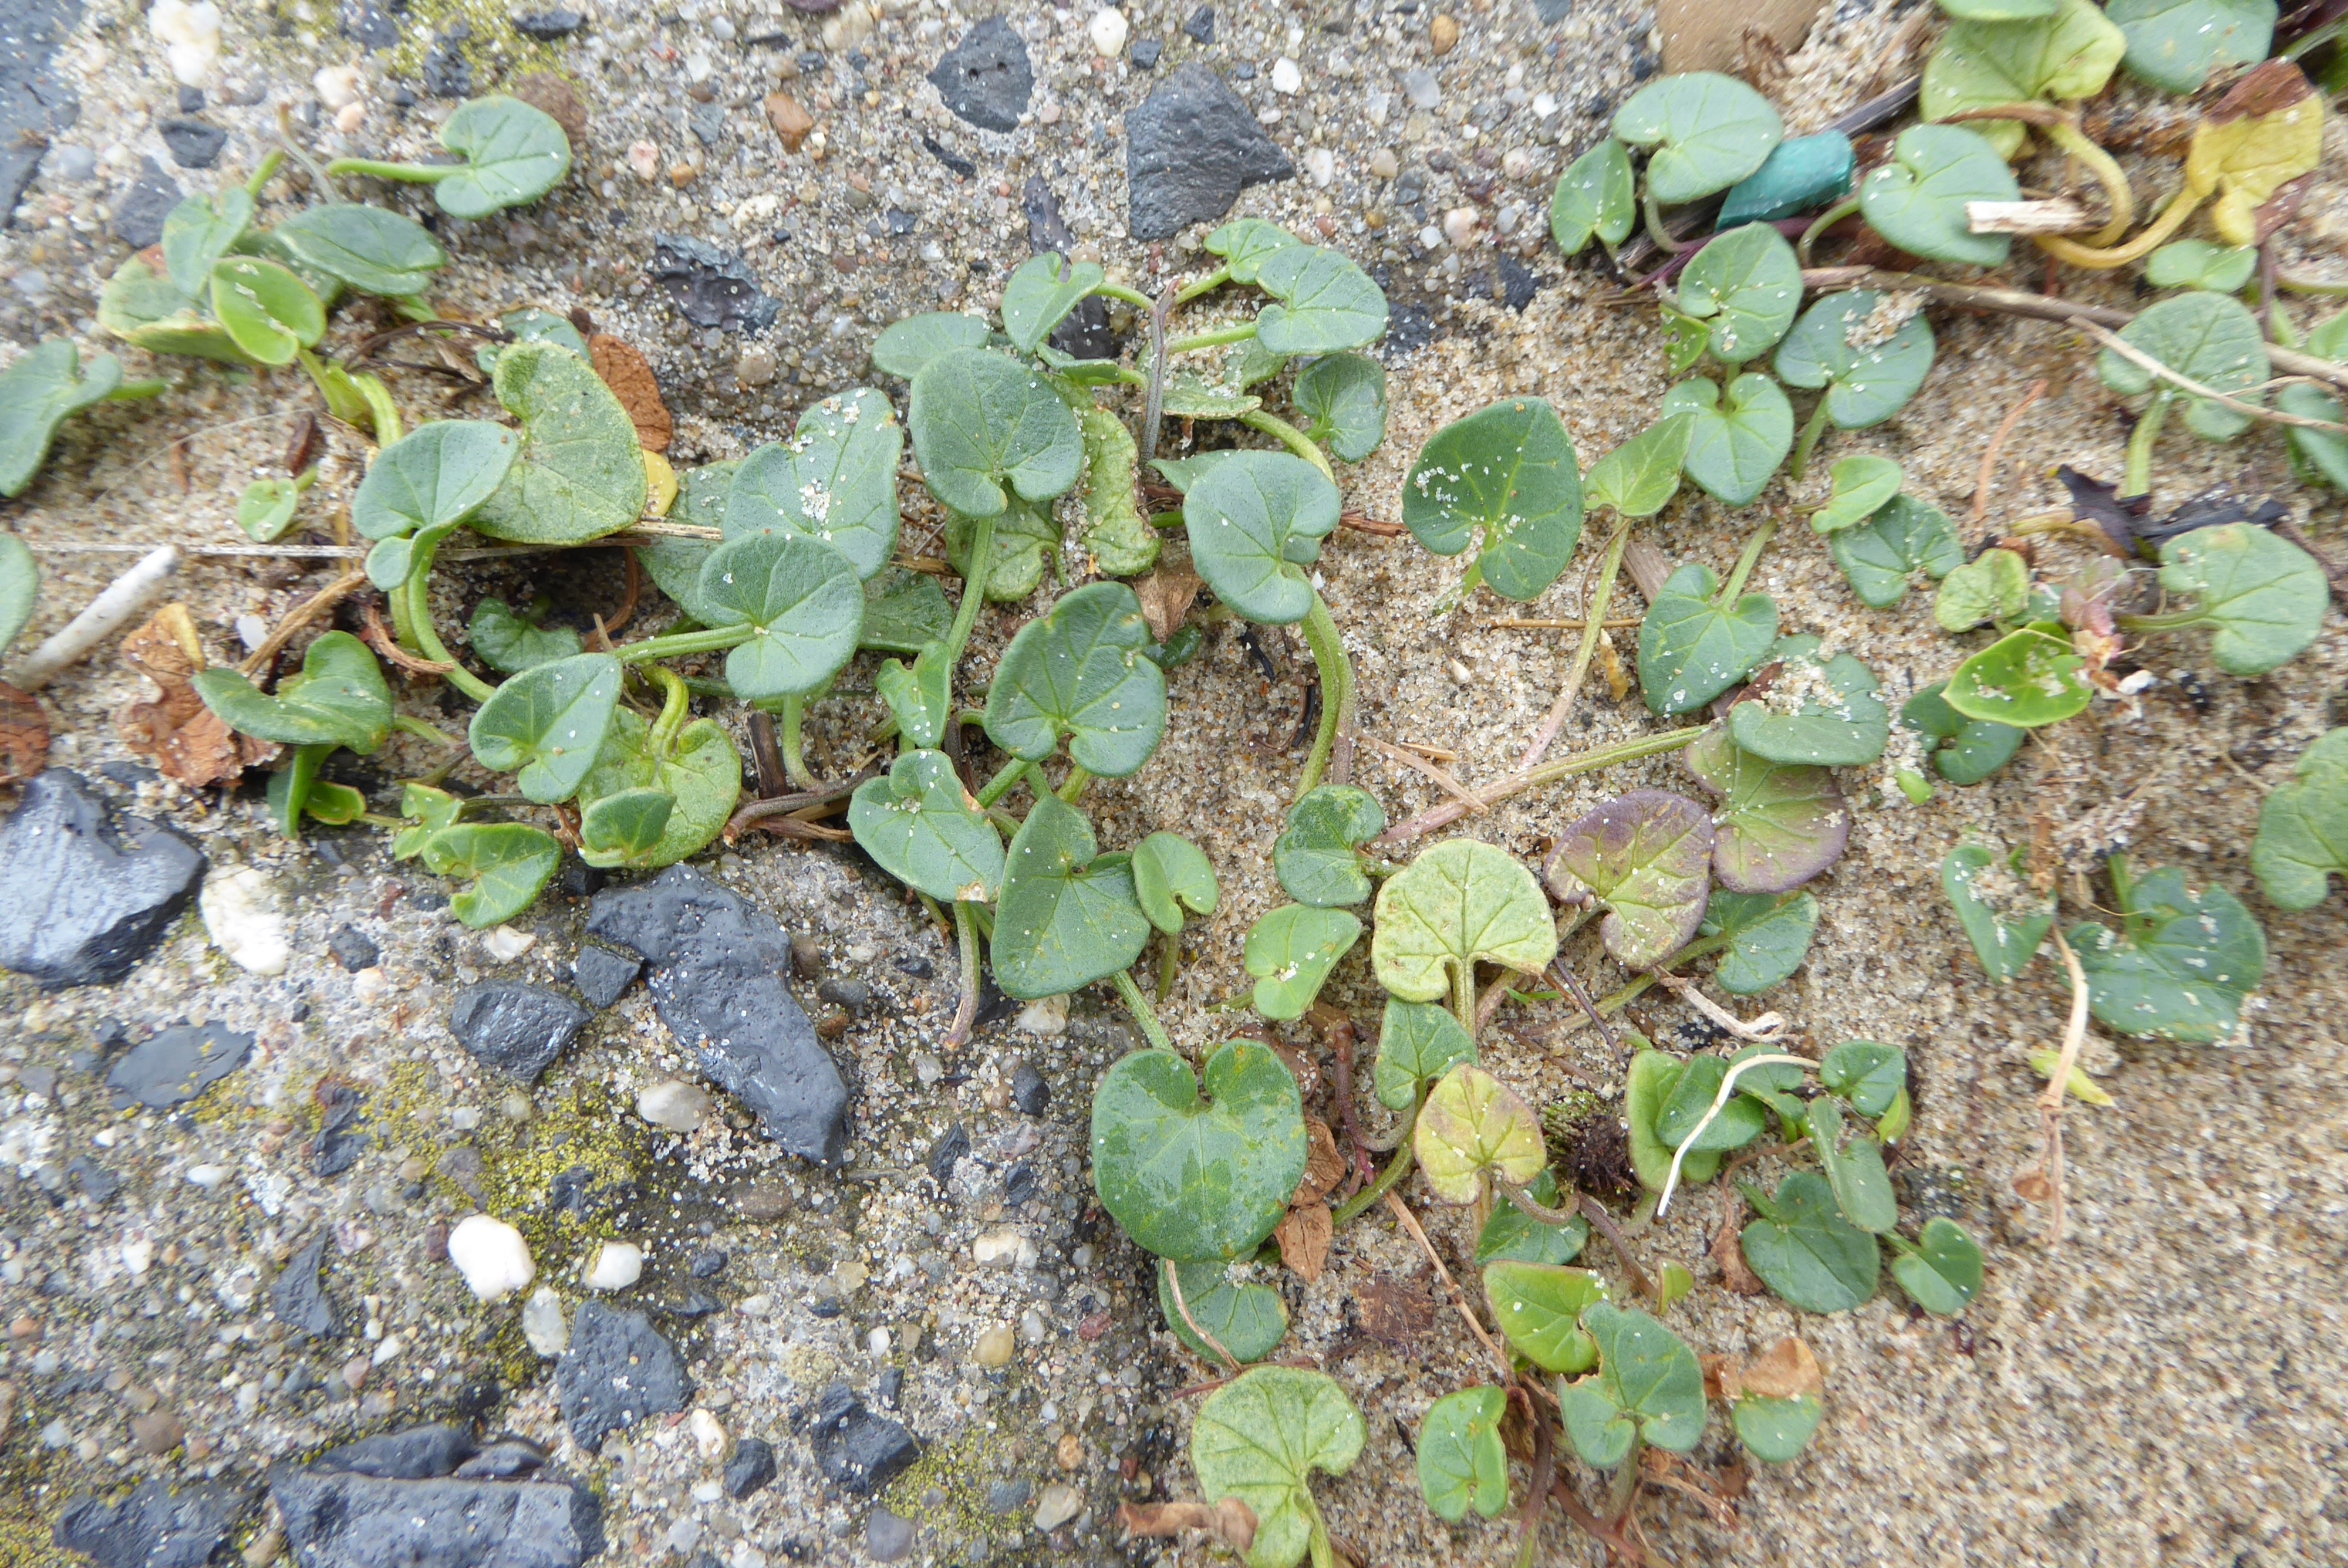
{"x": 47, "y": 384}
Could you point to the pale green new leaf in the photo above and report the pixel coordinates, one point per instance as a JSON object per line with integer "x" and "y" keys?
{"x": 1707, "y": 132}
{"x": 835, "y": 480}
{"x": 1063, "y": 921}
{"x": 1259, "y": 1438}
{"x": 2302, "y": 825}
{"x": 1458, "y": 903}
{"x": 581, "y": 471}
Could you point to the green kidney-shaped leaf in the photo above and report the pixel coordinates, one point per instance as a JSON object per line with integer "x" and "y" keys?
{"x": 904, "y": 347}
{"x": 1869, "y": 367}
{"x": 2199, "y": 264}
{"x": 1865, "y": 1073}
{"x": 1506, "y": 473}
{"x": 1473, "y": 1123}
{"x": 1256, "y": 522}
{"x": 2065, "y": 54}
{"x": 1461, "y": 1461}
{"x": 1692, "y": 649}
{"x": 144, "y": 307}
{"x": 510, "y": 644}
{"x": 802, "y": 602}
{"x": 701, "y": 773}
{"x": 1539, "y": 1306}
{"x": 20, "y": 588}
{"x": 1246, "y": 244}
{"x": 1291, "y": 950}
{"x": 1458, "y": 903}
{"x": 199, "y": 231}
{"x": 1768, "y": 936}
{"x": 1861, "y": 1186}
{"x": 1647, "y": 856}
{"x": 1862, "y": 486}
{"x": 1965, "y": 751}
{"x": 1063, "y": 921}
{"x": 1418, "y": 1042}
{"x": 1080, "y": 672}
{"x": 926, "y": 831}
{"x": 2176, "y": 44}
{"x": 623, "y": 829}
{"x": 1595, "y": 197}
{"x": 905, "y": 611}
{"x": 674, "y": 565}
{"x": 506, "y": 862}
{"x": 1259, "y": 1438}
{"x": 2262, "y": 596}
{"x": 1994, "y": 585}
{"x": 1826, "y": 715}
{"x": 2210, "y": 338}
{"x": 37, "y": 393}
{"x": 1918, "y": 199}
{"x": 2180, "y": 965}
{"x": 1707, "y": 131}
{"x": 435, "y": 475}
{"x": 1198, "y": 1180}
{"x": 1122, "y": 541}
{"x": 1171, "y": 874}
{"x": 1698, "y": 1085}
{"x": 339, "y": 699}
{"x": 547, "y": 724}
{"x": 2025, "y": 678}
{"x": 581, "y": 471}
{"x": 1806, "y": 1252}
{"x": 1324, "y": 302}
{"x": 1027, "y": 534}
{"x": 1343, "y": 399}
{"x": 1247, "y": 1319}
{"x": 920, "y": 695}
{"x": 1736, "y": 441}
{"x": 373, "y": 250}
{"x": 269, "y": 312}
{"x": 1747, "y": 283}
{"x": 835, "y": 480}
{"x": 1778, "y": 826}
{"x": 1317, "y": 857}
{"x": 1639, "y": 477}
{"x": 1512, "y": 1234}
{"x": 1776, "y": 1430}
{"x": 981, "y": 422}
{"x": 2004, "y": 918}
{"x": 1943, "y": 1274}
{"x": 2302, "y": 825}
{"x": 1040, "y": 292}
{"x": 1648, "y": 1386}
{"x": 1647, "y": 1088}
{"x": 514, "y": 153}
{"x": 1883, "y": 555}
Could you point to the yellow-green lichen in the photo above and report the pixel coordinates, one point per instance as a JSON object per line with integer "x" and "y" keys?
{"x": 958, "y": 1469}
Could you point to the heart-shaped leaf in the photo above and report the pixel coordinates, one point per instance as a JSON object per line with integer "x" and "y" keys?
{"x": 700, "y": 772}
{"x": 1802, "y": 174}
{"x": 1418, "y": 1042}
{"x": 904, "y": 347}
{"x": 1246, "y": 244}
{"x": 1259, "y": 1438}
{"x": 1648, "y": 1386}
{"x": 1942, "y": 1272}
{"x": 1190, "y": 396}
{"x": 920, "y": 695}
{"x": 375, "y": 250}
{"x": 1862, "y": 487}
{"x": 1647, "y": 856}
{"x": 1825, "y": 712}
{"x": 1707, "y": 132}
{"x": 1639, "y": 477}
{"x": 1859, "y": 348}
{"x": 1291, "y": 950}
{"x": 925, "y": 831}
{"x": 1868, "y": 1073}
{"x": 1735, "y": 442}
{"x": 1343, "y": 397}
{"x": 268, "y": 311}
{"x": 1768, "y": 936}
{"x": 1040, "y": 292}
{"x": 1512, "y": 1234}
{"x": 1171, "y": 874}
{"x": 510, "y": 644}
{"x": 1026, "y": 536}
{"x": 1473, "y": 1123}
{"x": 2210, "y": 338}
{"x": 2199, "y": 264}
{"x": 506, "y": 864}
{"x": 802, "y": 602}
{"x": 2302, "y": 825}
{"x": 1256, "y": 522}
{"x": 1458, "y": 903}
{"x": 1647, "y": 1088}
{"x": 2025, "y": 678}
{"x": 2264, "y": 133}
{"x": 1184, "y": 472}
{"x": 547, "y": 724}
{"x": 1198, "y": 1180}
{"x": 2262, "y": 596}
{"x": 1881, "y": 556}
{"x": 429, "y": 810}
{"x": 514, "y": 153}
{"x": 1805, "y": 1251}
{"x": 1861, "y": 1186}
{"x": 1965, "y": 751}
{"x": 2004, "y": 918}
{"x": 1995, "y": 586}
{"x": 1461, "y": 1461}
{"x": 1122, "y": 541}
{"x": 1595, "y": 197}
{"x": 1693, "y": 647}
{"x": 1778, "y": 825}
{"x": 1317, "y": 858}
{"x": 1506, "y": 475}
{"x": 581, "y": 471}
{"x": 1918, "y": 199}
{"x": 201, "y": 231}
{"x": 145, "y": 308}
{"x": 435, "y": 475}
{"x": 623, "y": 829}
{"x": 20, "y": 588}
{"x": 835, "y": 481}
{"x": 982, "y": 421}
{"x": 339, "y": 699}
{"x": 1747, "y": 283}
{"x": 1247, "y": 1319}
{"x": 2182, "y": 963}
{"x": 1325, "y": 302}
{"x": 1063, "y": 921}
{"x": 1539, "y": 1306}
{"x": 1080, "y": 672}
{"x": 905, "y": 611}
{"x": 37, "y": 393}
{"x": 1693, "y": 1092}
{"x": 2176, "y": 44}
{"x": 2066, "y": 53}
{"x": 1777, "y": 1401}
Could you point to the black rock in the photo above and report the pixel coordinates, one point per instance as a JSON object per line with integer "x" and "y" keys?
{"x": 193, "y": 144}
{"x": 708, "y": 1264}
{"x": 344, "y": 1518}
{"x": 691, "y": 1304}
{"x": 354, "y": 948}
{"x": 1145, "y": 53}
{"x": 901, "y": 222}
{"x": 139, "y": 211}
{"x": 751, "y": 1468}
{"x": 891, "y": 1384}
{"x": 447, "y": 73}
{"x": 95, "y": 1180}
{"x": 617, "y": 1371}
{"x": 1018, "y": 1185}
{"x": 192, "y": 100}
{"x": 515, "y": 1027}
{"x": 577, "y": 879}
{"x": 1191, "y": 146}
{"x": 602, "y": 974}
{"x": 1201, "y": 24}
{"x": 547, "y": 25}
{"x": 950, "y": 1146}
{"x": 1028, "y": 1090}
{"x": 298, "y": 1300}
{"x": 711, "y": 288}
{"x": 370, "y": 23}
{"x": 418, "y": 1453}
{"x": 718, "y": 983}
{"x": 154, "y": 1527}
{"x": 85, "y": 895}
{"x": 341, "y": 1140}
{"x": 920, "y": 968}
{"x": 166, "y": 1070}
{"x": 959, "y": 165}
{"x": 1409, "y": 328}
{"x": 986, "y": 78}
{"x": 34, "y": 107}
{"x": 502, "y": 1461}
{"x": 708, "y": 123}
{"x": 853, "y": 995}
{"x": 855, "y": 1448}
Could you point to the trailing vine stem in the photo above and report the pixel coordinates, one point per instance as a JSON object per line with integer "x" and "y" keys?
{"x": 1143, "y": 1013}
{"x": 1516, "y": 784}
{"x": 1288, "y": 435}
{"x": 1593, "y": 622}
{"x": 1337, "y": 695}
{"x": 795, "y": 768}
{"x": 2137, "y": 479}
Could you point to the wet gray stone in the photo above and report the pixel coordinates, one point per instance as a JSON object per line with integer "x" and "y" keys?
{"x": 96, "y": 1183}
{"x": 547, "y": 25}
{"x": 32, "y": 106}
{"x": 139, "y": 211}
{"x": 888, "y": 1537}
{"x": 1028, "y": 1090}
{"x": 985, "y": 79}
{"x": 750, "y": 1469}
{"x": 502, "y": 1461}
{"x": 370, "y": 23}
{"x": 354, "y": 948}
{"x": 172, "y": 1068}
{"x": 337, "y": 1516}
{"x": 1144, "y": 55}
{"x": 1008, "y": 1496}
{"x": 153, "y": 1527}
{"x": 515, "y": 1027}
{"x": 1201, "y": 24}
{"x": 708, "y": 123}
{"x": 1192, "y": 146}
{"x": 84, "y": 895}
{"x": 415, "y": 1453}
{"x": 950, "y": 1146}
{"x": 617, "y": 1371}
{"x": 711, "y": 288}
{"x": 857, "y": 1450}
{"x": 298, "y": 1299}
{"x": 192, "y": 143}
{"x": 447, "y": 73}
{"x": 602, "y": 974}
{"x": 716, "y": 981}
{"x": 341, "y": 1138}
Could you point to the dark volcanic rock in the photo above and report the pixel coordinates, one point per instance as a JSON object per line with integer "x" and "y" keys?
{"x": 986, "y": 78}
{"x": 1201, "y": 24}
{"x": 857, "y": 1450}
{"x": 1191, "y": 146}
{"x": 369, "y": 23}
{"x": 341, "y": 1139}
{"x": 297, "y": 1297}
{"x": 547, "y": 25}
{"x": 1144, "y": 55}
{"x": 354, "y": 948}
{"x": 952, "y": 1146}
{"x": 83, "y": 897}
{"x": 416, "y": 1453}
{"x": 752, "y": 1467}
{"x": 154, "y": 1527}
{"x": 602, "y": 974}
{"x": 193, "y": 144}
{"x": 711, "y": 288}
{"x": 32, "y": 106}
{"x": 516, "y": 1029}
{"x": 1028, "y": 1090}
{"x": 502, "y": 1461}
{"x": 617, "y": 1371}
{"x": 718, "y": 983}
{"x": 447, "y": 73}
{"x": 392, "y": 1502}
{"x": 172, "y": 1068}
{"x": 139, "y": 211}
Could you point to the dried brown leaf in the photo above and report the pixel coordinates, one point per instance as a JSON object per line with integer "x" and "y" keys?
{"x": 24, "y": 736}
{"x": 1323, "y": 1166}
{"x": 1231, "y": 1522}
{"x": 1729, "y": 1252}
{"x": 1165, "y": 595}
{"x": 190, "y": 743}
{"x": 1786, "y": 1372}
{"x": 630, "y": 376}
{"x": 1306, "y": 1071}
{"x": 1395, "y": 1311}
{"x": 166, "y": 650}
{"x": 1304, "y": 1237}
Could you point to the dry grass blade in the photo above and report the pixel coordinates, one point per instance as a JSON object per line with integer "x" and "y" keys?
{"x": 1997, "y": 444}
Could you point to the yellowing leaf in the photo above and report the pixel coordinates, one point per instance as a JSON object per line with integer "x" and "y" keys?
{"x": 2262, "y": 135}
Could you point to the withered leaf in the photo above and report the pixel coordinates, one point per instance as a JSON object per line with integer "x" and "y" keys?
{"x": 1786, "y": 1372}
{"x": 24, "y": 736}
{"x": 1165, "y": 595}
{"x": 1231, "y": 1522}
{"x": 630, "y": 376}
{"x": 1729, "y": 1254}
{"x": 1304, "y": 1237}
{"x": 2093, "y": 501}
{"x": 1323, "y": 1166}
{"x": 1395, "y": 1311}
{"x": 190, "y": 743}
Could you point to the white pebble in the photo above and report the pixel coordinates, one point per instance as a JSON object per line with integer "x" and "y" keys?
{"x": 877, "y": 1343}
{"x": 1286, "y": 77}
{"x": 1109, "y": 29}
{"x": 1544, "y": 105}
{"x": 337, "y": 86}
{"x": 208, "y": 1176}
{"x": 190, "y": 36}
{"x": 349, "y": 117}
{"x": 137, "y": 1256}
{"x": 1460, "y": 225}
{"x": 708, "y": 1435}
{"x": 1032, "y": 1327}
{"x": 616, "y": 1266}
{"x": 542, "y": 1322}
{"x": 1005, "y": 1249}
{"x": 240, "y": 910}
{"x": 505, "y": 943}
{"x": 251, "y": 631}
{"x": 491, "y": 1255}
{"x": 643, "y": 160}
{"x": 1047, "y": 1017}
{"x": 1321, "y": 164}
{"x": 679, "y": 1106}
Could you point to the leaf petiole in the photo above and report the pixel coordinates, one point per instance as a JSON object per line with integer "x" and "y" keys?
{"x": 1397, "y": 1167}
{"x": 1292, "y": 438}
{"x": 966, "y": 941}
{"x": 974, "y": 590}
{"x": 1143, "y": 1014}
{"x": 1215, "y": 339}
{"x": 1206, "y": 285}
{"x": 428, "y": 637}
{"x": 406, "y": 173}
{"x": 1072, "y": 789}
{"x": 1811, "y": 434}
{"x": 1004, "y": 782}
{"x": 676, "y": 708}
{"x": 1746, "y": 560}
{"x": 795, "y": 766}
{"x": 1338, "y": 697}
{"x": 2137, "y": 479}
{"x": 1119, "y": 292}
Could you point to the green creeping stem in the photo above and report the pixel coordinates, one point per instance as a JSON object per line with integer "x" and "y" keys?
{"x": 1072, "y": 789}
{"x": 427, "y": 636}
{"x": 974, "y": 590}
{"x": 1336, "y": 689}
{"x": 2138, "y": 481}
{"x": 1809, "y": 444}
{"x": 795, "y": 766}
{"x": 1215, "y": 339}
{"x": 676, "y": 699}
{"x": 408, "y": 173}
{"x": 265, "y": 173}
{"x": 1826, "y": 220}
{"x": 1292, "y": 438}
{"x": 966, "y": 942}
{"x": 1119, "y": 292}
{"x": 1143, "y": 1014}
{"x": 1745, "y": 562}
{"x": 678, "y": 644}
{"x": 1397, "y": 1167}
{"x": 1004, "y": 782}
{"x": 1206, "y": 285}
{"x": 303, "y": 772}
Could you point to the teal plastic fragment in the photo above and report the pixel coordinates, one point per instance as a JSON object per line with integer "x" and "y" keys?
{"x": 1801, "y": 175}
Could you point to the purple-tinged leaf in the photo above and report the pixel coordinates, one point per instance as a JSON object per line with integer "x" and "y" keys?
{"x": 1647, "y": 857}
{"x": 1779, "y": 823}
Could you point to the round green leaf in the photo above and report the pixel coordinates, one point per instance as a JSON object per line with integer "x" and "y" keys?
{"x": 1826, "y": 715}
{"x": 20, "y": 590}
{"x": 1649, "y": 1386}
{"x": 1995, "y": 586}
{"x": 1918, "y": 199}
{"x": 1256, "y": 522}
{"x": 835, "y": 481}
{"x": 2065, "y": 54}
{"x": 1862, "y": 487}
{"x": 2176, "y": 44}
{"x": 800, "y": 599}
{"x": 1512, "y": 1234}
{"x": 510, "y": 644}
{"x": 1343, "y": 397}
{"x": 1506, "y": 473}
{"x": 1291, "y": 950}
{"x": 1458, "y": 903}
{"x": 1259, "y": 1438}
{"x": 1040, "y": 292}
{"x": 1639, "y": 477}
{"x": 1325, "y": 302}
{"x": 1805, "y": 1251}
{"x": 1747, "y": 283}
{"x": 435, "y": 475}
{"x": 1802, "y": 174}
{"x": 2199, "y": 264}
{"x": 625, "y": 827}
{"x": 1317, "y": 858}
{"x": 2262, "y": 596}
{"x": 1472, "y": 1123}
{"x": 1869, "y": 367}
{"x": 147, "y": 309}
{"x": 1063, "y": 921}
{"x": 1247, "y": 1319}
{"x": 1246, "y": 244}
{"x": 1418, "y": 1042}
{"x": 905, "y": 611}
{"x": 581, "y": 471}
{"x": 1539, "y": 1306}
{"x": 1707, "y": 131}
{"x": 2210, "y": 338}
{"x": 339, "y": 699}
{"x": 1691, "y": 647}
{"x": 2324, "y": 453}
{"x": 904, "y": 347}
{"x": 1965, "y": 751}
{"x": 2004, "y": 918}
{"x": 2302, "y": 825}
{"x": 1171, "y": 874}
{"x": 2180, "y": 965}
{"x": 981, "y": 422}
{"x": 1768, "y": 936}
{"x": 2025, "y": 678}
{"x": 1461, "y": 1462}
{"x": 547, "y": 724}
{"x": 1736, "y": 443}
{"x": 1595, "y": 197}
{"x": 1868, "y": 1073}
{"x": 1943, "y": 1274}
{"x": 1026, "y": 536}
{"x": 1080, "y": 672}
{"x": 1880, "y": 556}
{"x": 506, "y": 862}
{"x": 701, "y": 773}
{"x": 926, "y": 831}
{"x": 1647, "y": 1088}
{"x": 514, "y": 153}
{"x": 1776, "y": 1430}
{"x": 1698, "y": 1085}
{"x": 919, "y": 696}
{"x": 1862, "y": 1188}
{"x": 373, "y": 250}
{"x": 1198, "y": 1180}
{"x": 270, "y": 312}
{"x": 1647, "y": 856}
{"x": 37, "y": 393}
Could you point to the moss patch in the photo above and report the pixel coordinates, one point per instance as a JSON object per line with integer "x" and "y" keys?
{"x": 959, "y": 1468}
